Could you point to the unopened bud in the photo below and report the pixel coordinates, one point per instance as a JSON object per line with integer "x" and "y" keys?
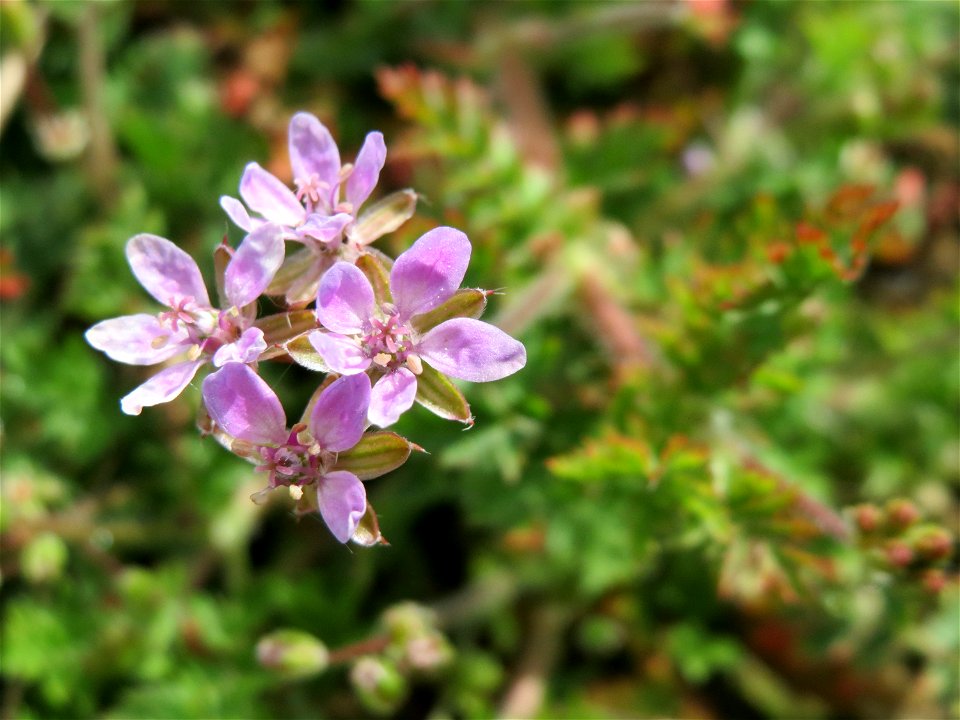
{"x": 383, "y": 216}
{"x": 899, "y": 553}
{"x": 428, "y": 653}
{"x": 933, "y": 544}
{"x": 934, "y": 580}
{"x": 293, "y": 653}
{"x": 406, "y": 621}
{"x": 902, "y": 513}
{"x": 867, "y": 517}
{"x": 378, "y": 684}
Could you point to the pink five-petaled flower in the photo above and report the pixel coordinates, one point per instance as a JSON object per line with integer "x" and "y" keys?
{"x": 314, "y": 215}
{"x": 364, "y": 334}
{"x": 191, "y": 326}
{"x": 245, "y": 407}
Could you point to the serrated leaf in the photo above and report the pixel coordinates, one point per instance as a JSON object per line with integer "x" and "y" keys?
{"x": 384, "y": 216}
{"x": 467, "y": 302}
{"x": 303, "y": 353}
{"x": 441, "y": 397}
{"x": 377, "y": 453}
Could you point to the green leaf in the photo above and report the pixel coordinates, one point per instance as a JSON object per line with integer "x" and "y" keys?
{"x": 279, "y": 328}
{"x": 303, "y": 353}
{"x": 378, "y": 274}
{"x": 384, "y": 216}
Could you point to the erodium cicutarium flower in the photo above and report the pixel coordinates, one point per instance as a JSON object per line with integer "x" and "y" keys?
{"x": 191, "y": 328}
{"x": 364, "y": 335}
{"x": 304, "y": 456}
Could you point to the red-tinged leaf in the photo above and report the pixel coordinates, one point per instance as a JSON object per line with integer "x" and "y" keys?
{"x": 378, "y": 274}
{"x": 303, "y": 353}
{"x": 468, "y": 303}
{"x": 441, "y": 397}
{"x": 377, "y": 453}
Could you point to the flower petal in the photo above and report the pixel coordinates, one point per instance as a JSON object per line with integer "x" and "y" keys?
{"x": 341, "y": 354}
{"x": 472, "y": 350}
{"x": 343, "y": 501}
{"x": 430, "y": 271}
{"x": 324, "y": 228}
{"x": 366, "y": 170}
{"x": 238, "y": 213}
{"x": 392, "y": 396}
{"x": 312, "y": 150}
{"x": 254, "y": 264}
{"x": 247, "y": 349}
{"x": 340, "y": 415}
{"x": 166, "y": 271}
{"x": 137, "y": 339}
{"x": 345, "y": 299}
{"x": 241, "y": 403}
{"x": 162, "y": 387}
{"x": 265, "y": 194}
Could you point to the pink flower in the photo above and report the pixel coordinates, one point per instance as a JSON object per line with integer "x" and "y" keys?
{"x": 363, "y": 334}
{"x": 245, "y": 407}
{"x": 316, "y": 215}
{"x": 192, "y": 326}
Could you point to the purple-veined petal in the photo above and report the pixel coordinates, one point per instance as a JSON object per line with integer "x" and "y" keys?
{"x": 265, "y": 194}
{"x": 343, "y": 501}
{"x": 162, "y": 387}
{"x": 392, "y": 396}
{"x": 472, "y": 350}
{"x": 137, "y": 339}
{"x": 340, "y": 415}
{"x": 166, "y": 271}
{"x": 345, "y": 299}
{"x": 430, "y": 271}
{"x": 241, "y": 403}
{"x": 366, "y": 170}
{"x": 254, "y": 264}
{"x": 247, "y": 349}
{"x": 341, "y": 354}
{"x": 313, "y": 150}
{"x": 238, "y": 213}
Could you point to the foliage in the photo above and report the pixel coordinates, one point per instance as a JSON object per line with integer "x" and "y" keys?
{"x": 726, "y": 482}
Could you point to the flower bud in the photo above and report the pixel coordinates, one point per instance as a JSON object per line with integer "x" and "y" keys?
{"x": 293, "y": 653}
{"x": 934, "y": 580}
{"x": 902, "y": 513}
{"x": 898, "y": 553}
{"x": 934, "y": 543}
{"x": 428, "y": 653}
{"x": 406, "y": 621}
{"x": 378, "y": 684}
{"x": 867, "y": 517}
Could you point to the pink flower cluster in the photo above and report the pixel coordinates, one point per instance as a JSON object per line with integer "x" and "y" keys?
{"x": 386, "y": 333}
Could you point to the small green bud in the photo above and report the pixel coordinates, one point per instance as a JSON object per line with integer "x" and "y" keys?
{"x": 43, "y": 558}
{"x": 378, "y": 684}
{"x": 933, "y": 543}
{"x": 408, "y": 620}
{"x": 293, "y": 653}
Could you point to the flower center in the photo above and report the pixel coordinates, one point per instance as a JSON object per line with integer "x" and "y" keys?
{"x": 310, "y": 190}
{"x": 391, "y": 343}
{"x": 300, "y": 461}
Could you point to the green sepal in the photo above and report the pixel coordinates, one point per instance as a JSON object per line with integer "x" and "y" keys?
{"x": 294, "y": 266}
{"x": 468, "y": 303}
{"x": 383, "y": 216}
{"x": 282, "y": 327}
{"x": 378, "y": 275}
{"x": 303, "y": 353}
{"x": 441, "y": 397}
{"x": 221, "y": 258}
{"x": 377, "y": 453}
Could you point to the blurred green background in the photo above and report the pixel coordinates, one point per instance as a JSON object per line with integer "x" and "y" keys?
{"x": 726, "y": 484}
